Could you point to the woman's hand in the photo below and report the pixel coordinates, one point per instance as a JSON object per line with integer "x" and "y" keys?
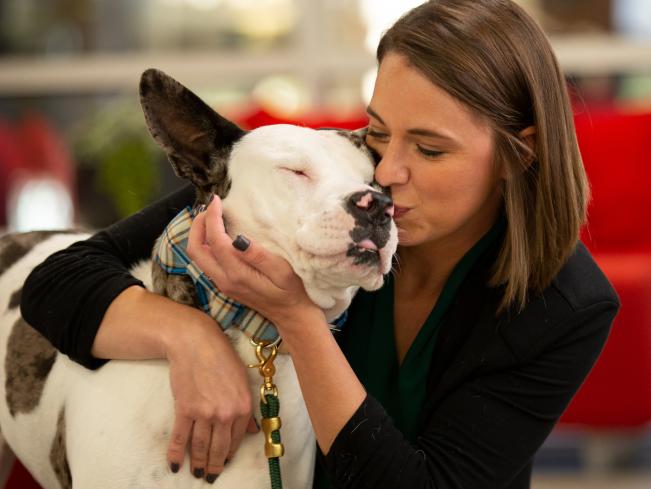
{"x": 246, "y": 272}
{"x": 212, "y": 400}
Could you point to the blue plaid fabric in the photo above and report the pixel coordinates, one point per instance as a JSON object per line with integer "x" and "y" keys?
{"x": 170, "y": 254}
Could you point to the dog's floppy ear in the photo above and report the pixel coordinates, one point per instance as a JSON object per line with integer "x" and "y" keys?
{"x": 196, "y": 138}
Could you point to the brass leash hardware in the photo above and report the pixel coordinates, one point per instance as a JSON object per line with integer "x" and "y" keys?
{"x": 270, "y": 420}
{"x": 272, "y": 449}
{"x": 266, "y": 367}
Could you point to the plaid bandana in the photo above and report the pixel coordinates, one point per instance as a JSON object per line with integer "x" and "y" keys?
{"x": 172, "y": 257}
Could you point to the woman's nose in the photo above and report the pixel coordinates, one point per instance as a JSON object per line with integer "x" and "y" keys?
{"x": 391, "y": 170}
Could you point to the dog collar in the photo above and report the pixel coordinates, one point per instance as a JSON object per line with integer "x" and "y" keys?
{"x": 170, "y": 254}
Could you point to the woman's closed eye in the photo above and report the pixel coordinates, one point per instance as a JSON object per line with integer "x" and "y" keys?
{"x": 380, "y": 136}
{"x": 428, "y": 152}
{"x": 376, "y": 137}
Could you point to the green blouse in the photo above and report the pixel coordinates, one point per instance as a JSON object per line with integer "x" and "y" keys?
{"x": 370, "y": 347}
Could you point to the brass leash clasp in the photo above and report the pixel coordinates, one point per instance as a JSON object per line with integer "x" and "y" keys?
{"x": 266, "y": 366}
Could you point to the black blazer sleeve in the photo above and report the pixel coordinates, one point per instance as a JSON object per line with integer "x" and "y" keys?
{"x": 66, "y": 296}
{"x": 496, "y": 401}
{"x": 484, "y": 432}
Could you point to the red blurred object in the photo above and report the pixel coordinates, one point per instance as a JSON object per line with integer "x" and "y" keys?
{"x": 11, "y": 158}
{"x": 616, "y": 149}
{"x": 256, "y": 117}
{"x": 31, "y": 149}
{"x": 21, "y": 479}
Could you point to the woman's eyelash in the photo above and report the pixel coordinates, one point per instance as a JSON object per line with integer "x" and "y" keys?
{"x": 432, "y": 153}
{"x": 377, "y": 135}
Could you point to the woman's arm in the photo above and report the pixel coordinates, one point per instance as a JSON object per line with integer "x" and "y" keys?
{"x": 65, "y": 297}
{"x": 84, "y": 300}
{"x": 312, "y": 347}
{"x": 481, "y": 435}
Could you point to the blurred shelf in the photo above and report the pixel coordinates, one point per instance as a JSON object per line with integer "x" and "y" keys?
{"x": 120, "y": 72}
{"x": 583, "y": 55}
{"x": 598, "y": 54}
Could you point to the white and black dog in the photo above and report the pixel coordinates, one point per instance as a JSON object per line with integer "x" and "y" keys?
{"x": 305, "y": 195}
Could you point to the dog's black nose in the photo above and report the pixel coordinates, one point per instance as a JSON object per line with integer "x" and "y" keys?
{"x": 372, "y": 206}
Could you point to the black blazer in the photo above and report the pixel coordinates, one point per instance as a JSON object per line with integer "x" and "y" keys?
{"x": 497, "y": 386}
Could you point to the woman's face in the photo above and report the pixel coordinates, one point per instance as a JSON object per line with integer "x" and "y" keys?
{"x": 437, "y": 158}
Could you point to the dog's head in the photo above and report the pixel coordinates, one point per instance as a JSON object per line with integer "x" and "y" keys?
{"x": 307, "y": 195}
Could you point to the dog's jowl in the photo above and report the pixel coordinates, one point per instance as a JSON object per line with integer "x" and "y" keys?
{"x": 303, "y": 194}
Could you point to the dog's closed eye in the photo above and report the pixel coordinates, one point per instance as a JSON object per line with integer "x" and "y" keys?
{"x": 296, "y": 171}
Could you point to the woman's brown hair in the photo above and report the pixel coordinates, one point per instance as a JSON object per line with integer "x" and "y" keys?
{"x": 494, "y": 58}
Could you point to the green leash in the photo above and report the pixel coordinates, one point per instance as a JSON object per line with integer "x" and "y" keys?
{"x": 269, "y": 412}
{"x": 269, "y": 407}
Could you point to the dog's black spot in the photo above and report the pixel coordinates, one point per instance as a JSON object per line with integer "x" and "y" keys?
{"x": 10, "y": 253}
{"x": 357, "y": 138}
{"x": 14, "y": 246}
{"x": 28, "y": 362}
{"x": 58, "y": 454}
{"x": 14, "y": 300}
{"x": 362, "y": 257}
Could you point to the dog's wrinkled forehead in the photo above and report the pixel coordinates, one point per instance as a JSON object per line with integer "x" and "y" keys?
{"x": 316, "y": 153}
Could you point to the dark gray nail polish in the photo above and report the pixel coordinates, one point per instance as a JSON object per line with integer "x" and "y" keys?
{"x": 198, "y": 473}
{"x": 174, "y": 467}
{"x": 241, "y": 243}
{"x": 211, "y": 478}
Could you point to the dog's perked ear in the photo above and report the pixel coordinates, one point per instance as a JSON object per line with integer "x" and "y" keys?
{"x": 198, "y": 140}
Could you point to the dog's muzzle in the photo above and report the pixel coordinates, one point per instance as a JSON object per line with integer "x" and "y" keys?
{"x": 372, "y": 212}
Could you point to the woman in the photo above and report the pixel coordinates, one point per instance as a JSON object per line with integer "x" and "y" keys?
{"x": 454, "y": 373}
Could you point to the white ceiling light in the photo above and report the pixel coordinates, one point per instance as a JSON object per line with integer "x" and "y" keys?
{"x": 379, "y": 15}
{"x": 39, "y": 202}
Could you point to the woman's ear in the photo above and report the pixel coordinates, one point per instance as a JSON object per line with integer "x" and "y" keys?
{"x": 528, "y": 137}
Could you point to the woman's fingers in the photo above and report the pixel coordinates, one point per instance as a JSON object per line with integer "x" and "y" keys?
{"x": 219, "y": 449}
{"x": 237, "y": 435}
{"x": 199, "y": 445}
{"x": 178, "y": 441}
{"x": 252, "y": 426}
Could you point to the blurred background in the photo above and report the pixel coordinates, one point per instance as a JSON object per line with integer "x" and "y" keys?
{"x": 74, "y": 149}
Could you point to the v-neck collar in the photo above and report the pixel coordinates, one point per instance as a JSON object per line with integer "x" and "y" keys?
{"x": 402, "y": 388}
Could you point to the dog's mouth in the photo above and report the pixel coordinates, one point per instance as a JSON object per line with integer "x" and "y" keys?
{"x": 364, "y": 253}
{"x": 348, "y": 253}
{"x": 367, "y": 253}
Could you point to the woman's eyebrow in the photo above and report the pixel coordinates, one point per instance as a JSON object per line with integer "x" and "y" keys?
{"x": 374, "y": 114}
{"x": 416, "y": 131}
{"x": 431, "y": 134}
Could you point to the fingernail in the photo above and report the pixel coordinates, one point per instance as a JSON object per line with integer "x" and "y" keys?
{"x": 201, "y": 209}
{"x": 198, "y": 473}
{"x": 212, "y": 197}
{"x": 241, "y": 243}
{"x": 211, "y": 478}
{"x": 257, "y": 425}
{"x": 174, "y": 467}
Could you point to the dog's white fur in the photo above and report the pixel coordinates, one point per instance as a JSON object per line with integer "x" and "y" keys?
{"x": 118, "y": 418}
